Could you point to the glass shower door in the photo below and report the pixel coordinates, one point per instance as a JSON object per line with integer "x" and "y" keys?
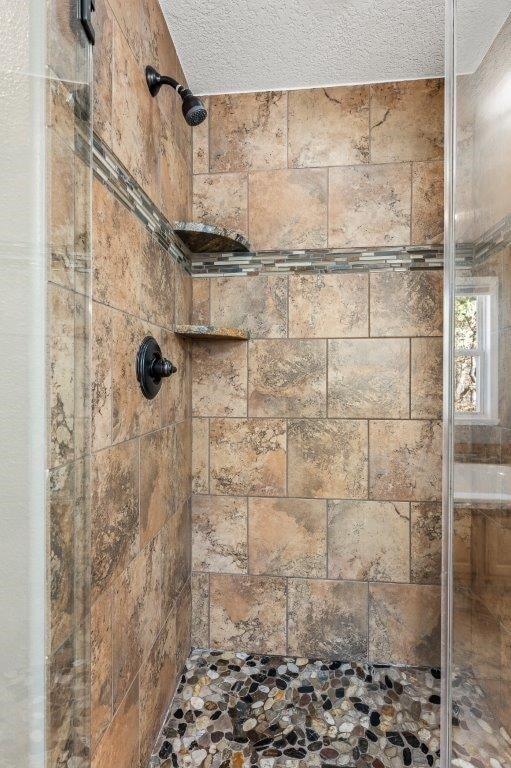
{"x": 477, "y": 510}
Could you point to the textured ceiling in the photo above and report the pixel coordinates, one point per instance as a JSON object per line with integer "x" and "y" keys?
{"x": 250, "y": 45}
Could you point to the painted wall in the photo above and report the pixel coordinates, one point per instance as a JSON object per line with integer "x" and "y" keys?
{"x": 317, "y": 444}
{"x": 140, "y": 473}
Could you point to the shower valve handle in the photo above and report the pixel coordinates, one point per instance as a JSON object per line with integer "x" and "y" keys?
{"x": 161, "y": 368}
{"x": 152, "y": 367}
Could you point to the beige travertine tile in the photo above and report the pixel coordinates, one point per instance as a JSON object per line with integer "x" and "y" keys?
{"x": 287, "y": 537}
{"x": 369, "y": 378}
{"x": 428, "y": 203}
{"x": 369, "y": 540}
{"x": 120, "y": 742}
{"x": 175, "y": 173}
{"x": 63, "y": 495}
{"x": 114, "y": 512}
{"x": 200, "y": 301}
{"x": 200, "y": 140}
{"x": 101, "y": 378}
{"x": 116, "y": 236}
{"x": 327, "y": 458}
{"x": 200, "y": 456}
{"x": 287, "y": 377}
{"x": 257, "y": 303}
{"x": 135, "y": 118}
{"x": 157, "y": 452}
{"x": 101, "y": 666}
{"x": 126, "y": 635}
{"x": 157, "y": 683}
{"x": 61, "y": 212}
{"x": 248, "y": 612}
{"x": 103, "y": 56}
{"x": 288, "y": 209}
{"x": 324, "y": 306}
{"x": 406, "y": 303}
{"x": 404, "y": 624}
{"x": 405, "y": 460}
{"x": 426, "y": 378}
{"x": 426, "y": 545}
{"x": 200, "y": 610}
{"x": 248, "y": 457}
{"x": 369, "y": 205}
{"x": 328, "y": 126}
{"x": 248, "y": 131}
{"x": 183, "y": 463}
{"x": 222, "y": 199}
{"x": 184, "y": 625}
{"x": 175, "y": 394}
{"x": 156, "y": 279}
{"x": 407, "y": 121}
{"x": 62, "y": 375}
{"x": 177, "y": 563}
{"x": 183, "y": 301}
{"x": 328, "y": 618}
{"x": 219, "y": 534}
{"x": 219, "y": 378}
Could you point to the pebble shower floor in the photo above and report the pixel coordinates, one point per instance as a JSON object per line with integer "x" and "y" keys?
{"x": 235, "y": 710}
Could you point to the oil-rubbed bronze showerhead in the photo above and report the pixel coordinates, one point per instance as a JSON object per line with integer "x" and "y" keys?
{"x": 194, "y": 111}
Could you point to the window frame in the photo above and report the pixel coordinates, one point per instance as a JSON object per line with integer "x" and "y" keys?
{"x": 485, "y": 289}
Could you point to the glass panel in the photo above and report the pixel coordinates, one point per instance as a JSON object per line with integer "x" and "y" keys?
{"x": 466, "y": 380}
{"x": 466, "y": 322}
{"x": 477, "y": 500}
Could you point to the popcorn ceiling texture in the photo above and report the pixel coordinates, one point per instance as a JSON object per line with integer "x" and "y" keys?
{"x": 264, "y": 44}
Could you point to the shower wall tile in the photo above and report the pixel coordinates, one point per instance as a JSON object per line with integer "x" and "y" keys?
{"x": 141, "y": 467}
{"x": 426, "y": 542}
{"x": 201, "y": 143}
{"x": 114, "y": 519}
{"x": 406, "y": 303}
{"x": 328, "y": 126}
{"x": 157, "y": 482}
{"x": 407, "y": 121}
{"x": 288, "y": 206}
{"x": 62, "y": 374}
{"x": 248, "y": 612}
{"x": 222, "y": 200}
{"x": 369, "y": 541}
{"x": 200, "y": 455}
{"x": 62, "y": 495}
{"x": 219, "y": 379}
{"x": 120, "y": 742}
{"x": 368, "y": 378}
{"x": 287, "y": 537}
{"x": 344, "y": 378}
{"x": 404, "y": 623}
{"x": 200, "y": 610}
{"x": 287, "y": 377}
{"x": 426, "y": 378}
{"x": 248, "y": 131}
{"x": 248, "y": 457}
{"x": 428, "y": 203}
{"x": 101, "y": 666}
{"x": 369, "y": 205}
{"x": 219, "y": 534}
{"x": 405, "y": 459}
{"x": 200, "y": 303}
{"x": 327, "y": 458}
{"x": 346, "y": 297}
{"x": 328, "y": 618}
{"x": 257, "y": 303}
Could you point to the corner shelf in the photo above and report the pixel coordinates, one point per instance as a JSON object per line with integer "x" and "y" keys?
{"x": 211, "y": 332}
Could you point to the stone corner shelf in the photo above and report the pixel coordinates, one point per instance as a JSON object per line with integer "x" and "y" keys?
{"x": 212, "y": 332}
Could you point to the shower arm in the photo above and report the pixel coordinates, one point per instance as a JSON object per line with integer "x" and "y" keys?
{"x": 155, "y": 82}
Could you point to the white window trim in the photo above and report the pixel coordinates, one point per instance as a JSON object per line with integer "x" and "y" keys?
{"x": 487, "y": 289}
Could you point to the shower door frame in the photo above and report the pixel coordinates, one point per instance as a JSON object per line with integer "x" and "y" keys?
{"x": 448, "y": 381}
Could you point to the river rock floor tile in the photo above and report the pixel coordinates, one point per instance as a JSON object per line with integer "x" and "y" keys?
{"x": 235, "y": 710}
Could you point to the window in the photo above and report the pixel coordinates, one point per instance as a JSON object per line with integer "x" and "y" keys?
{"x": 476, "y": 372}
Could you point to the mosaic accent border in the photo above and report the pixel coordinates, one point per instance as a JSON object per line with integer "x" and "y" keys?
{"x": 111, "y": 171}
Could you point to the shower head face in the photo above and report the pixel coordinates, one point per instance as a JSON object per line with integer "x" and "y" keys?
{"x": 194, "y": 110}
